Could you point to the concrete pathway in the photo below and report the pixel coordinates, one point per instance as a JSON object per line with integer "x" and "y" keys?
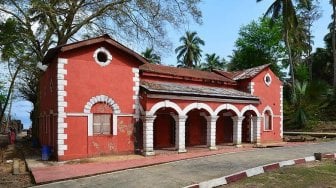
{"x": 48, "y": 171}
{"x": 187, "y": 172}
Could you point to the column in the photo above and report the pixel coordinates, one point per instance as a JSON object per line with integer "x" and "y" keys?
{"x": 256, "y": 129}
{"x": 211, "y": 132}
{"x": 237, "y": 130}
{"x": 148, "y": 136}
{"x": 180, "y": 133}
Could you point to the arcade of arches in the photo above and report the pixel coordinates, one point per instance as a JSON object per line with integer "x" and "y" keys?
{"x": 170, "y": 127}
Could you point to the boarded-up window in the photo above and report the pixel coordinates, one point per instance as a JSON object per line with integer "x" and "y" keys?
{"x": 102, "y": 124}
{"x": 268, "y": 120}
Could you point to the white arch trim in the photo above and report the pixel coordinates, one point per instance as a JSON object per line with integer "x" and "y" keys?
{"x": 142, "y": 111}
{"x": 227, "y": 107}
{"x": 250, "y": 107}
{"x": 197, "y": 106}
{"x": 269, "y": 109}
{"x": 103, "y": 99}
{"x": 164, "y": 104}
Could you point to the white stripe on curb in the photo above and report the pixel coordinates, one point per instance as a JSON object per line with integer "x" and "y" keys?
{"x": 254, "y": 171}
{"x": 250, "y": 172}
{"x": 213, "y": 183}
{"x": 286, "y": 163}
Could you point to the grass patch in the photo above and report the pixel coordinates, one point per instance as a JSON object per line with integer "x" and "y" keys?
{"x": 313, "y": 174}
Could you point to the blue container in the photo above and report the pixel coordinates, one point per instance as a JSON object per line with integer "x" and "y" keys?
{"x": 45, "y": 152}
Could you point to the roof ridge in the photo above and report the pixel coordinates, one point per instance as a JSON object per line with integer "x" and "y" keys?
{"x": 103, "y": 38}
{"x": 243, "y": 74}
{"x": 184, "y": 72}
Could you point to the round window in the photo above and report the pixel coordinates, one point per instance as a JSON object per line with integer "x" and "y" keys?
{"x": 102, "y": 56}
{"x": 268, "y": 79}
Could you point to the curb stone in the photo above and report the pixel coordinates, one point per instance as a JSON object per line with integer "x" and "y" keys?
{"x": 257, "y": 170}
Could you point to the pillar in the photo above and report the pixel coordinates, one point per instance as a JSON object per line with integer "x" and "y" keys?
{"x": 237, "y": 130}
{"x": 256, "y": 129}
{"x": 211, "y": 132}
{"x": 148, "y": 135}
{"x": 180, "y": 133}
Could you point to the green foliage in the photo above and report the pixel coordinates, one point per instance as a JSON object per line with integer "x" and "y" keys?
{"x": 327, "y": 110}
{"x": 294, "y": 35}
{"x": 2, "y": 94}
{"x": 305, "y": 104}
{"x": 190, "y": 52}
{"x": 259, "y": 44}
{"x": 322, "y": 67}
{"x": 12, "y": 43}
{"x": 213, "y": 61}
{"x": 151, "y": 56}
{"x": 301, "y": 72}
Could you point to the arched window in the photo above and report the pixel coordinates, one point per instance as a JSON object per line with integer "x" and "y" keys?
{"x": 268, "y": 120}
{"x": 102, "y": 119}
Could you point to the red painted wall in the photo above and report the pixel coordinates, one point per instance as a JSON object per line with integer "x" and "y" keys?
{"x": 269, "y": 96}
{"x": 224, "y": 130}
{"x": 48, "y": 97}
{"x": 196, "y": 127}
{"x": 164, "y": 131}
{"x": 87, "y": 79}
{"x": 77, "y": 138}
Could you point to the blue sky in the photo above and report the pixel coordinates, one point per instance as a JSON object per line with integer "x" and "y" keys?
{"x": 221, "y": 22}
{"x": 223, "y": 18}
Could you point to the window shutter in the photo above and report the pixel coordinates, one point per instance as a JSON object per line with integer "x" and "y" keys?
{"x": 102, "y": 124}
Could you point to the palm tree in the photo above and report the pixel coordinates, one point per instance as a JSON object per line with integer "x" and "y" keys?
{"x": 151, "y": 56}
{"x": 190, "y": 52}
{"x": 286, "y": 10}
{"x": 213, "y": 61}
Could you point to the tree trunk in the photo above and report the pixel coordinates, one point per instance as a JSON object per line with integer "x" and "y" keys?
{"x": 10, "y": 90}
{"x": 290, "y": 60}
{"x": 333, "y": 42}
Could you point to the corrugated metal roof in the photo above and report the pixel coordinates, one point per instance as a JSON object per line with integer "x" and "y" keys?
{"x": 184, "y": 72}
{"x": 173, "y": 88}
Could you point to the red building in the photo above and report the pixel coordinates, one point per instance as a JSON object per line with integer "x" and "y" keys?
{"x": 99, "y": 97}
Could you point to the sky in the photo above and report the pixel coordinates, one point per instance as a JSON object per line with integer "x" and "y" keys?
{"x": 221, "y": 22}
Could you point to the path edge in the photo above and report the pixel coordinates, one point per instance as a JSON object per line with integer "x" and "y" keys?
{"x": 256, "y": 171}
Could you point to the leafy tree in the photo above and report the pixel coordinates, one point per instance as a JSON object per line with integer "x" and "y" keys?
{"x": 151, "y": 56}
{"x": 259, "y": 44}
{"x": 12, "y": 52}
{"x": 190, "y": 52}
{"x": 47, "y": 23}
{"x": 213, "y": 61}
{"x": 322, "y": 65}
{"x": 286, "y": 10}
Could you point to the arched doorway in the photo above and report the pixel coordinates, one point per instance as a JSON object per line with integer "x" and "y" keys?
{"x": 247, "y": 126}
{"x": 224, "y": 127}
{"x": 164, "y": 128}
{"x": 196, "y": 127}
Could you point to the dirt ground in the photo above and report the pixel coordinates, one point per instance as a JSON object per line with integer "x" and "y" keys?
{"x": 10, "y": 154}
